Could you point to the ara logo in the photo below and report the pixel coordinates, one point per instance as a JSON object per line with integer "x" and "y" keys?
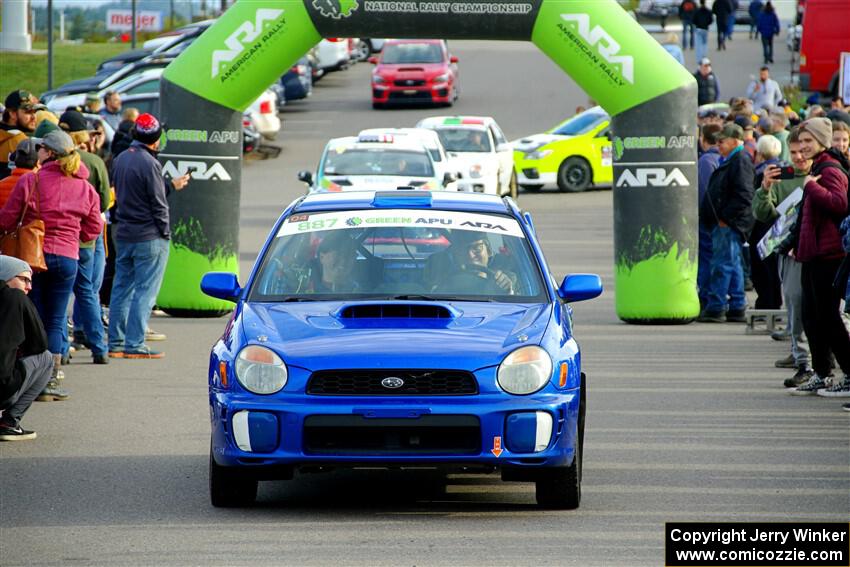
{"x": 336, "y": 9}
{"x": 604, "y": 44}
{"x": 652, "y": 177}
{"x": 198, "y": 169}
{"x": 484, "y": 225}
{"x": 246, "y": 33}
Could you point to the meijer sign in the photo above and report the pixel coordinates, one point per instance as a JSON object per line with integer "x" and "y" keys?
{"x": 121, "y": 20}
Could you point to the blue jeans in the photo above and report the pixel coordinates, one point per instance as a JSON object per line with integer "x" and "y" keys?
{"x": 139, "y": 268}
{"x": 726, "y": 279}
{"x": 51, "y": 292}
{"x": 87, "y": 316}
{"x": 687, "y": 25}
{"x": 701, "y": 44}
{"x": 730, "y": 25}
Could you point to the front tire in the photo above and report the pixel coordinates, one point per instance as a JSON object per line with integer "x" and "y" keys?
{"x": 560, "y": 488}
{"x": 230, "y": 487}
{"x": 574, "y": 175}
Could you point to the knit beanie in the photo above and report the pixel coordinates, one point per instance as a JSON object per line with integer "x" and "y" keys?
{"x": 147, "y": 129}
{"x": 45, "y": 128}
{"x": 11, "y": 267}
{"x": 820, "y": 128}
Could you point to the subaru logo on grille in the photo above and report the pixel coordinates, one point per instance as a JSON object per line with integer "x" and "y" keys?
{"x": 410, "y": 82}
{"x": 392, "y": 382}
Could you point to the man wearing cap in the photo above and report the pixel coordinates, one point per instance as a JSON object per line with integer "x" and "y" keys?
{"x": 18, "y": 121}
{"x": 141, "y": 238}
{"x": 90, "y": 267}
{"x": 25, "y": 159}
{"x": 820, "y": 251}
{"x": 93, "y": 104}
{"x": 707, "y": 163}
{"x": 746, "y": 124}
{"x": 727, "y": 211}
{"x": 708, "y": 87}
{"x": 25, "y": 362}
{"x": 764, "y": 92}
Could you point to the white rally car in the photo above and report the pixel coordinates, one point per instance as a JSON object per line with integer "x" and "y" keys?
{"x": 367, "y": 163}
{"x": 431, "y": 140}
{"x": 478, "y": 149}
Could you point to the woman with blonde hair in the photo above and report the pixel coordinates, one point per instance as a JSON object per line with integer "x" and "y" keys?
{"x": 60, "y": 196}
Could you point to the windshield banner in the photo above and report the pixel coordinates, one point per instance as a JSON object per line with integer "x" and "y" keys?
{"x": 337, "y": 220}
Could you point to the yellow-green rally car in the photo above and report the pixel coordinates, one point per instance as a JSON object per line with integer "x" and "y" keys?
{"x": 574, "y": 155}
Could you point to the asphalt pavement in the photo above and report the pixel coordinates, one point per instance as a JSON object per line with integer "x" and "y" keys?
{"x": 684, "y": 423}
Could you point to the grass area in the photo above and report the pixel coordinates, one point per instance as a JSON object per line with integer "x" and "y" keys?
{"x": 70, "y": 61}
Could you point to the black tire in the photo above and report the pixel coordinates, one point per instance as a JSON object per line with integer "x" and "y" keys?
{"x": 230, "y": 487}
{"x": 574, "y": 175}
{"x": 560, "y": 488}
{"x": 531, "y": 188}
{"x": 377, "y": 106}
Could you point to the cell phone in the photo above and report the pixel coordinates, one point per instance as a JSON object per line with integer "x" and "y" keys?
{"x": 787, "y": 172}
{"x": 190, "y": 170}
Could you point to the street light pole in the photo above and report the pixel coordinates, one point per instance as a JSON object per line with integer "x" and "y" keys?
{"x": 49, "y": 44}
{"x": 133, "y": 32}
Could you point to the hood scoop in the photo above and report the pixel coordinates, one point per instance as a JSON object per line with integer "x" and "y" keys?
{"x": 411, "y": 69}
{"x": 395, "y": 311}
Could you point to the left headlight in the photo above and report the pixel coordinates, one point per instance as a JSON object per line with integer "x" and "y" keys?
{"x": 378, "y": 80}
{"x": 525, "y": 371}
{"x": 444, "y": 78}
{"x": 260, "y": 370}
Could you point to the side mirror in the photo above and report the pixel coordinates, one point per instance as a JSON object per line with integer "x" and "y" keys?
{"x": 453, "y": 59}
{"x": 579, "y": 287}
{"x": 221, "y": 285}
{"x": 373, "y": 60}
{"x": 448, "y": 178}
{"x": 306, "y": 177}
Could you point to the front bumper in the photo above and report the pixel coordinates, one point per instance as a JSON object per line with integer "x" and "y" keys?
{"x": 297, "y": 430}
{"x": 426, "y": 94}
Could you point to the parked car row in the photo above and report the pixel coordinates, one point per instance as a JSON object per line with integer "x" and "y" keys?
{"x": 136, "y": 74}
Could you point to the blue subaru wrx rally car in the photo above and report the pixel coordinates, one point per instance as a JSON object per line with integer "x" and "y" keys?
{"x": 399, "y": 329}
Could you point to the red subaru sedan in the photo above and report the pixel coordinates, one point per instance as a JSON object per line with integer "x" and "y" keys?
{"x": 414, "y": 71}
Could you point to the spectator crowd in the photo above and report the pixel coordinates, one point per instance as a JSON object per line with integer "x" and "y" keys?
{"x": 104, "y": 214}
{"x": 774, "y": 219}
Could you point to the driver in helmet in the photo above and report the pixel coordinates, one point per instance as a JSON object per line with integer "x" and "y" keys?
{"x": 470, "y": 254}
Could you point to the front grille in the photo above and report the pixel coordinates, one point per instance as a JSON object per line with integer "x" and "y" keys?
{"x": 424, "y": 96}
{"x": 409, "y": 83}
{"x": 369, "y": 383}
{"x": 426, "y": 435}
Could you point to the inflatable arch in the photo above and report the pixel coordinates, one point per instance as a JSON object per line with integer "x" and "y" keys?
{"x": 652, "y": 101}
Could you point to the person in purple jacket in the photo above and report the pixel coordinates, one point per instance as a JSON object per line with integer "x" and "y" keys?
{"x": 820, "y": 251}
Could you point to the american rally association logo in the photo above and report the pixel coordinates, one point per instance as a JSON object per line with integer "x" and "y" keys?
{"x": 336, "y": 9}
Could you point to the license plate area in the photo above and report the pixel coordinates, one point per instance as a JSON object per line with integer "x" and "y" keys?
{"x": 357, "y": 435}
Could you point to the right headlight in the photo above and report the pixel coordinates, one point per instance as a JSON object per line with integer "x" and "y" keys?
{"x": 525, "y": 371}
{"x": 260, "y": 370}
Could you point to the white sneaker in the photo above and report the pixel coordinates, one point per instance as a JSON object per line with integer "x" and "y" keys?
{"x": 839, "y": 389}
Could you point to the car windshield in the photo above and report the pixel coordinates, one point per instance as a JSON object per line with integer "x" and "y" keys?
{"x": 464, "y": 140}
{"x": 403, "y": 53}
{"x": 581, "y": 123}
{"x": 399, "y": 254}
{"x": 341, "y": 161}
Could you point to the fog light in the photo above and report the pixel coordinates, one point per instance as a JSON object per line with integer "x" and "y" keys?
{"x": 528, "y": 432}
{"x": 255, "y": 431}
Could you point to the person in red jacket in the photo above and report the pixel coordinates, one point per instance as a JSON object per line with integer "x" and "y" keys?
{"x": 25, "y": 158}
{"x": 820, "y": 251}
{"x": 59, "y": 195}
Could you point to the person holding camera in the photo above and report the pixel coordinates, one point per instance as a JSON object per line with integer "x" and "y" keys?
{"x": 141, "y": 238}
{"x": 778, "y": 184}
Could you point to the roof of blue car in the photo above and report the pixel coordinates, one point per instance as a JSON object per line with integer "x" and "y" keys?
{"x": 443, "y": 200}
